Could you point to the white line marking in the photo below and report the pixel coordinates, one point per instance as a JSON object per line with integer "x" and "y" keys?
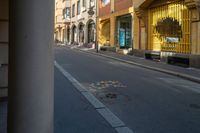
{"x": 93, "y": 100}
{"x": 124, "y": 130}
{"x": 79, "y": 87}
{"x": 111, "y": 118}
{"x": 70, "y": 78}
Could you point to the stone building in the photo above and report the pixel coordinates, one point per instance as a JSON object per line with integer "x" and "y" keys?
{"x": 168, "y": 29}
{"x": 75, "y": 21}
{"x": 83, "y": 22}
{"x": 62, "y": 20}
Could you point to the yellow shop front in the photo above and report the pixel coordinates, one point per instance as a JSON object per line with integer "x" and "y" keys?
{"x": 168, "y": 27}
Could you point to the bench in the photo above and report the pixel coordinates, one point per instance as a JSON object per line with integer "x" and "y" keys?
{"x": 152, "y": 56}
{"x": 179, "y": 61}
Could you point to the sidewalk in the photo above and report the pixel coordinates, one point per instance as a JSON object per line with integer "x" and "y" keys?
{"x": 192, "y": 74}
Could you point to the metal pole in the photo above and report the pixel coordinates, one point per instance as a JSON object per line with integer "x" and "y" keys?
{"x": 132, "y": 27}
{"x": 96, "y": 41}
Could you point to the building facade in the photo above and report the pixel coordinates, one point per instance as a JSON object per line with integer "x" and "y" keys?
{"x": 168, "y": 28}
{"x": 115, "y": 26}
{"x": 75, "y": 21}
{"x": 62, "y": 20}
{"x": 83, "y": 22}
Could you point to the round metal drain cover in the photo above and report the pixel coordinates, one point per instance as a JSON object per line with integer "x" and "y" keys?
{"x": 111, "y": 95}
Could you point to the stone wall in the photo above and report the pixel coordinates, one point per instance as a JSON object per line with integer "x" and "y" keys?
{"x": 4, "y": 43}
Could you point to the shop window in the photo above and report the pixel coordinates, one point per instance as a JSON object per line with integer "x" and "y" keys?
{"x": 124, "y": 31}
{"x": 169, "y": 29}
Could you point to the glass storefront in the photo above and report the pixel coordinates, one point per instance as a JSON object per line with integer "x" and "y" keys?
{"x": 124, "y": 31}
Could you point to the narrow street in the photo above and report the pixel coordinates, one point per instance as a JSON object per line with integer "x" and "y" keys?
{"x": 145, "y": 100}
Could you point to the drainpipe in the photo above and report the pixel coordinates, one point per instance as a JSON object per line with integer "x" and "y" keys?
{"x": 31, "y": 79}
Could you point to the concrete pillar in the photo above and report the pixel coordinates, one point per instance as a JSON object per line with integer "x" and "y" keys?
{"x": 112, "y": 8}
{"x": 86, "y": 33}
{"x": 30, "y": 108}
{"x": 112, "y": 30}
{"x": 69, "y": 41}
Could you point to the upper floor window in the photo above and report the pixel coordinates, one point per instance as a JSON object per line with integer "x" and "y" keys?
{"x": 83, "y": 3}
{"x": 105, "y": 2}
{"x": 78, "y": 7}
{"x": 92, "y": 3}
{"x": 73, "y": 10}
{"x": 66, "y": 12}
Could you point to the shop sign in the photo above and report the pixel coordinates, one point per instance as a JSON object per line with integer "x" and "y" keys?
{"x": 172, "y": 39}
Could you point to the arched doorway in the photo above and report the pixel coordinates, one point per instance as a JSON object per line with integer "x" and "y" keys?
{"x": 91, "y": 31}
{"x": 68, "y": 34}
{"x": 104, "y": 34}
{"x": 81, "y": 33}
{"x": 74, "y": 34}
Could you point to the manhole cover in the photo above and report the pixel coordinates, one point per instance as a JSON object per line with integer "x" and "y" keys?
{"x": 111, "y": 95}
{"x": 107, "y": 84}
{"x": 195, "y": 106}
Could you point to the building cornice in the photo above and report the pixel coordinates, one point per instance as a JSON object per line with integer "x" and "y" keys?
{"x": 192, "y": 3}
{"x": 194, "y": 6}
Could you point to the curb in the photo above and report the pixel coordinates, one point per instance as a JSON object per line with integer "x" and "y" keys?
{"x": 177, "y": 74}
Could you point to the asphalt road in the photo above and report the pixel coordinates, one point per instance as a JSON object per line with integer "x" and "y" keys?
{"x": 73, "y": 113}
{"x": 146, "y": 101}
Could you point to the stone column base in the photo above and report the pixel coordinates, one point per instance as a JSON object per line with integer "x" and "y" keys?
{"x": 195, "y": 61}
